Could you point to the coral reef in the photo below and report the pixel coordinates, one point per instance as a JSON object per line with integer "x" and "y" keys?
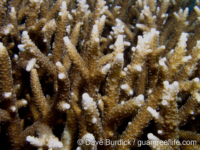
{"x": 95, "y": 74}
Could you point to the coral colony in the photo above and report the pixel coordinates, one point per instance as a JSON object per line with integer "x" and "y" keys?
{"x": 99, "y": 74}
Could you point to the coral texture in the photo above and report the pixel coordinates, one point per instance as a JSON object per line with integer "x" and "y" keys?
{"x": 89, "y": 74}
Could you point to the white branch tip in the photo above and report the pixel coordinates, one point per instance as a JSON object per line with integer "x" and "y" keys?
{"x": 106, "y": 68}
{"x": 66, "y": 106}
{"x": 61, "y": 76}
{"x": 120, "y": 57}
{"x": 153, "y": 112}
{"x": 152, "y": 137}
{"x": 86, "y": 98}
{"x": 7, "y": 94}
{"x": 66, "y": 40}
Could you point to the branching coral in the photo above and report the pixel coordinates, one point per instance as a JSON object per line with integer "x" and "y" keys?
{"x": 77, "y": 74}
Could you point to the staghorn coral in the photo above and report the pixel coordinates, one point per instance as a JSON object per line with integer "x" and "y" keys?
{"x": 95, "y": 70}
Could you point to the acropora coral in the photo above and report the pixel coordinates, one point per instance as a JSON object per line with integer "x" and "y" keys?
{"x": 75, "y": 74}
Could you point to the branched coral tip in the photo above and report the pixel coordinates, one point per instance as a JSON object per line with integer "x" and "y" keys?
{"x": 153, "y": 112}
{"x": 86, "y": 98}
{"x": 99, "y": 64}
